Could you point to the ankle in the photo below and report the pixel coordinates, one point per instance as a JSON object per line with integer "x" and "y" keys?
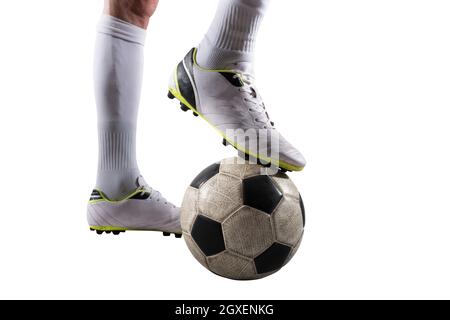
{"x": 117, "y": 185}
{"x": 212, "y": 57}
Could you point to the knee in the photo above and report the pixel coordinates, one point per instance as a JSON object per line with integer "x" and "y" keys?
{"x": 144, "y": 8}
{"x": 137, "y": 12}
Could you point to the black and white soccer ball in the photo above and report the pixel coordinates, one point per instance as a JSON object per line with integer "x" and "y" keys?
{"x": 241, "y": 223}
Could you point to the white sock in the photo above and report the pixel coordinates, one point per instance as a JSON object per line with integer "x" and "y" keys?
{"x": 232, "y": 34}
{"x": 118, "y": 69}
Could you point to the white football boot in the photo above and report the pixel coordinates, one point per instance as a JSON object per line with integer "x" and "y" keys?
{"x": 143, "y": 210}
{"x": 229, "y": 101}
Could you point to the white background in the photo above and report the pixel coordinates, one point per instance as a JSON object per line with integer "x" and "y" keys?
{"x": 361, "y": 87}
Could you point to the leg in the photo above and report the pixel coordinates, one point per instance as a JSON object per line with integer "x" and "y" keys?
{"x": 137, "y": 12}
{"x": 118, "y": 76}
{"x": 217, "y": 82}
{"x": 118, "y": 73}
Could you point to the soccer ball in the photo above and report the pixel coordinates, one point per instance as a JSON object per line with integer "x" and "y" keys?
{"x": 241, "y": 223}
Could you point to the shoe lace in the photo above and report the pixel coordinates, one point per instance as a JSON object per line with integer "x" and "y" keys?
{"x": 155, "y": 195}
{"x": 254, "y": 99}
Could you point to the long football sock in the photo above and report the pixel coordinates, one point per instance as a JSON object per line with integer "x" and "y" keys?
{"x": 118, "y": 69}
{"x": 232, "y": 35}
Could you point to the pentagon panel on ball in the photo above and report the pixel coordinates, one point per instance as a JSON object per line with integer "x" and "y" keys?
{"x": 261, "y": 193}
{"x": 208, "y": 235}
{"x": 240, "y": 222}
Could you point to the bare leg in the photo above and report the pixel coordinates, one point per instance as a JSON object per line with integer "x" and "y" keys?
{"x": 137, "y": 12}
